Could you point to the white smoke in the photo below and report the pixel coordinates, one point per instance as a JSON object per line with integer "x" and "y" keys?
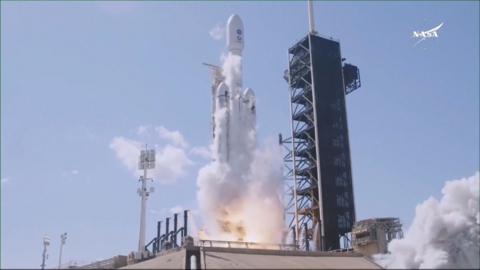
{"x": 239, "y": 192}
{"x": 174, "y": 136}
{"x": 232, "y": 71}
{"x": 201, "y": 151}
{"x": 217, "y": 32}
{"x": 243, "y": 205}
{"x": 444, "y": 234}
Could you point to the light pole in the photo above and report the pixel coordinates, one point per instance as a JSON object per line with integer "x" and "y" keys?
{"x": 46, "y": 242}
{"x": 63, "y": 238}
{"x": 146, "y": 162}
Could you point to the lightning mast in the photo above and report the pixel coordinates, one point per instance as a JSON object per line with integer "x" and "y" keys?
{"x": 311, "y": 19}
{"x": 146, "y": 162}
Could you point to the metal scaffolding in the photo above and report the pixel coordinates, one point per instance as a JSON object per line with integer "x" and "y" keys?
{"x": 289, "y": 199}
{"x": 318, "y": 170}
{"x": 303, "y": 155}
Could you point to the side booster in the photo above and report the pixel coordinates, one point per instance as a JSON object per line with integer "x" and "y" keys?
{"x": 228, "y": 95}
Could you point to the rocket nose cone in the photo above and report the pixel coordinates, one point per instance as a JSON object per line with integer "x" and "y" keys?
{"x": 248, "y": 93}
{"x": 249, "y": 98}
{"x": 235, "y": 19}
{"x": 222, "y": 87}
{"x": 235, "y": 35}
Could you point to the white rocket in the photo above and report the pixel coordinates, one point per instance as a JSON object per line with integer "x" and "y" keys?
{"x": 233, "y": 108}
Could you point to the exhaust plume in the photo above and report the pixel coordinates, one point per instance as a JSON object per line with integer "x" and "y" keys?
{"x": 443, "y": 234}
{"x": 239, "y": 191}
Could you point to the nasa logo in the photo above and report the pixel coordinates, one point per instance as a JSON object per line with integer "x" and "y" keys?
{"x": 422, "y": 35}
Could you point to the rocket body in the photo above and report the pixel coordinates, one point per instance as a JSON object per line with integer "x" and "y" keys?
{"x": 233, "y": 108}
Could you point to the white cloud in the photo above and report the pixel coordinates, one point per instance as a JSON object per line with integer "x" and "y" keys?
{"x": 142, "y": 130}
{"x": 127, "y": 151}
{"x": 171, "y": 164}
{"x": 174, "y": 136}
{"x": 74, "y": 172}
{"x": 171, "y": 161}
{"x": 217, "y": 32}
{"x": 201, "y": 151}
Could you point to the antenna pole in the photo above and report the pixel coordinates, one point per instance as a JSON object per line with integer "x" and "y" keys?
{"x": 46, "y": 243}
{"x": 63, "y": 239}
{"x": 147, "y": 161}
{"x": 311, "y": 20}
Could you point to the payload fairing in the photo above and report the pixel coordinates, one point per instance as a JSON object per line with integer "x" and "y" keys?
{"x": 233, "y": 108}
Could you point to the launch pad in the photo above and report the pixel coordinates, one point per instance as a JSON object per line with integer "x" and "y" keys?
{"x": 212, "y": 254}
{"x": 204, "y": 257}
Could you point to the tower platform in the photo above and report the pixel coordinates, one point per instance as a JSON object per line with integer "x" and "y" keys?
{"x": 251, "y": 258}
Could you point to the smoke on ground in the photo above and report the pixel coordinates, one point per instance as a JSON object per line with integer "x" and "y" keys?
{"x": 239, "y": 191}
{"x": 445, "y": 233}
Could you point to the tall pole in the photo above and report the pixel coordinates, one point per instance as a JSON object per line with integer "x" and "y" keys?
{"x": 46, "y": 242}
{"x": 147, "y": 161}
{"x": 295, "y": 188}
{"x": 44, "y": 255}
{"x": 63, "y": 238}
{"x": 311, "y": 19}
{"x": 141, "y": 239}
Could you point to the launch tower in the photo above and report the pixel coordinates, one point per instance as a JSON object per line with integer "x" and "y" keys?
{"x": 322, "y": 190}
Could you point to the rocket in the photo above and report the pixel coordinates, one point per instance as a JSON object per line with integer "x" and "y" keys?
{"x": 233, "y": 107}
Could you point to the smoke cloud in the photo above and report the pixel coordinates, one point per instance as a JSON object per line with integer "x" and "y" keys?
{"x": 217, "y": 32}
{"x": 174, "y": 136}
{"x": 443, "y": 234}
{"x": 239, "y": 191}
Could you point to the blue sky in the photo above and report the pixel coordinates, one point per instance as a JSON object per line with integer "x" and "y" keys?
{"x": 75, "y": 75}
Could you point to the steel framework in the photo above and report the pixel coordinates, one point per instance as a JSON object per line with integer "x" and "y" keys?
{"x": 303, "y": 154}
{"x": 318, "y": 127}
